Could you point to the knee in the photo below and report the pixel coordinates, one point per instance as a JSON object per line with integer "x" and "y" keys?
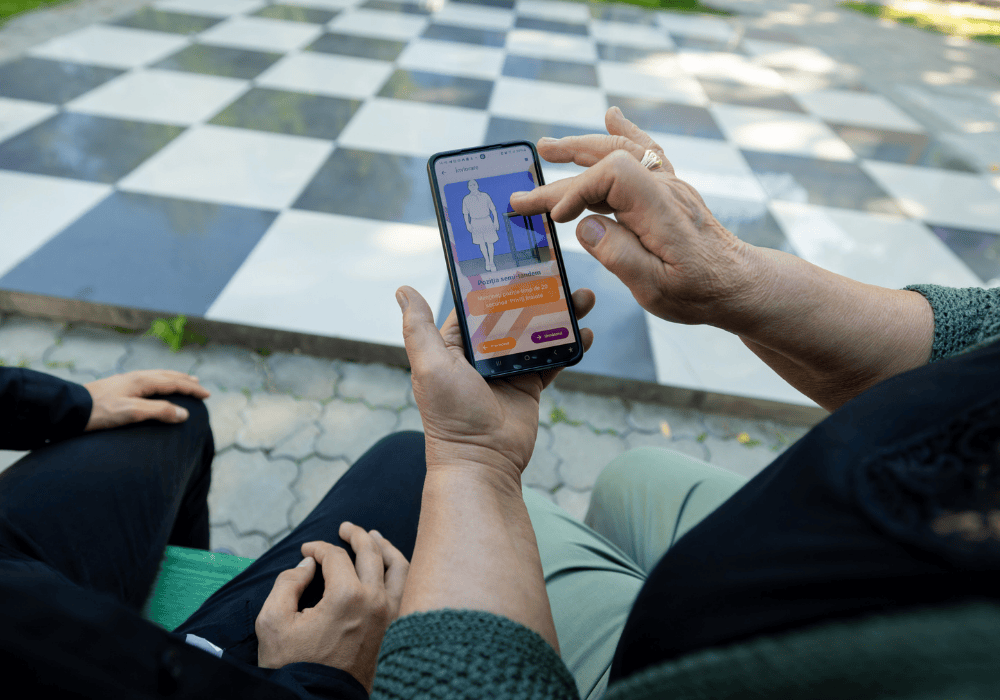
{"x": 629, "y": 467}
{"x": 196, "y": 408}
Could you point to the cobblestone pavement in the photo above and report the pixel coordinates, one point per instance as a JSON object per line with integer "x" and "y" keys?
{"x": 287, "y": 426}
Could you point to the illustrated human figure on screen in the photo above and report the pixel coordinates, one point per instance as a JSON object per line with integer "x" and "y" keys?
{"x": 482, "y": 221}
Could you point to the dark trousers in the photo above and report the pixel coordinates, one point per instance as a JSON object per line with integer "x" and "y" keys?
{"x": 99, "y": 509}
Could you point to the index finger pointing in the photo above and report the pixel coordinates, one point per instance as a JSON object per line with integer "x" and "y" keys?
{"x": 587, "y": 150}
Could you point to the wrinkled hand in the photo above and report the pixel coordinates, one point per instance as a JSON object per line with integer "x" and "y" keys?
{"x": 678, "y": 261}
{"x": 345, "y": 629}
{"x": 118, "y": 400}
{"x": 469, "y": 422}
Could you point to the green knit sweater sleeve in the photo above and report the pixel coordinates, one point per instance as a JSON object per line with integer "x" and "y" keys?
{"x": 965, "y": 319}
{"x": 468, "y": 654}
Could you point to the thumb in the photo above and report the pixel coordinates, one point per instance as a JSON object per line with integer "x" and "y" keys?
{"x": 421, "y": 337}
{"x": 288, "y": 588}
{"x": 619, "y": 250}
{"x": 161, "y": 410}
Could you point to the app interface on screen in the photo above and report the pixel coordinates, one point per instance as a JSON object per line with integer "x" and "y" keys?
{"x": 507, "y": 271}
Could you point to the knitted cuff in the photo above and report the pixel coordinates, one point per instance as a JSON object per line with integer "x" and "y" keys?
{"x": 963, "y": 318}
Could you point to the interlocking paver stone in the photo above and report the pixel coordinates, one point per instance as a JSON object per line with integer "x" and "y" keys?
{"x": 376, "y": 385}
{"x": 541, "y": 470}
{"x": 270, "y": 418}
{"x": 741, "y": 459}
{"x": 303, "y": 376}
{"x": 27, "y": 339}
{"x": 650, "y": 417}
{"x": 583, "y": 453}
{"x": 153, "y": 353}
{"x": 684, "y": 445}
{"x": 229, "y": 367}
{"x": 299, "y": 445}
{"x": 224, "y": 415}
{"x": 90, "y": 349}
{"x": 573, "y": 501}
{"x": 66, "y": 373}
{"x": 251, "y": 492}
{"x": 601, "y": 412}
{"x": 548, "y": 401}
{"x": 317, "y": 476}
{"x": 252, "y": 545}
{"x": 409, "y": 419}
{"x": 349, "y": 429}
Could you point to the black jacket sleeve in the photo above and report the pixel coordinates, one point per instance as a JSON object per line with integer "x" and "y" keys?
{"x": 57, "y": 636}
{"x": 36, "y": 408}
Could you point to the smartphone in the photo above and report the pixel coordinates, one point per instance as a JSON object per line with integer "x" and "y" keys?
{"x": 507, "y": 274}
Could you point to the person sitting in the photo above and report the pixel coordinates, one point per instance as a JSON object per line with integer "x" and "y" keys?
{"x": 429, "y": 570}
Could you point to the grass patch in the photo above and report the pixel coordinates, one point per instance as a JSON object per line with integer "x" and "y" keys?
{"x": 934, "y": 17}
{"x": 689, "y": 6}
{"x": 173, "y": 333}
{"x": 9, "y": 8}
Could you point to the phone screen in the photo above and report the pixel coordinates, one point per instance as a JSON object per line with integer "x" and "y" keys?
{"x": 507, "y": 267}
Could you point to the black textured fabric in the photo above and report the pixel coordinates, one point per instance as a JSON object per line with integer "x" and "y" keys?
{"x": 37, "y": 408}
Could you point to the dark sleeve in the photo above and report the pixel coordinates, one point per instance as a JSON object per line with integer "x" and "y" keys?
{"x": 36, "y": 408}
{"x": 965, "y": 319}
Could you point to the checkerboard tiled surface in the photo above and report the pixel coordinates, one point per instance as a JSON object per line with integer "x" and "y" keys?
{"x": 264, "y": 163}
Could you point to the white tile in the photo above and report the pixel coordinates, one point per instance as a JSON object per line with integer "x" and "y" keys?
{"x": 37, "y": 208}
{"x": 386, "y": 25}
{"x": 557, "y": 10}
{"x": 857, "y": 108}
{"x": 18, "y": 115}
{"x": 700, "y": 27}
{"x": 474, "y": 16}
{"x": 213, "y": 8}
{"x": 452, "y": 58}
{"x": 413, "y": 128}
{"x": 624, "y": 34}
{"x": 710, "y": 359}
{"x": 564, "y": 47}
{"x": 728, "y": 66}
{"x": 326, "y": 74}
{"x": 168, "y": 97}
{"x": 261, "y": 34}
{"x": 940, "y": 196}
{"x": 118, "y": 47}
{"x": 712, "y": 167}
{"x": 231, "y": 166}
{"x": 887, "y": 251}
{"x": 780, "y": 132}
{"x": 307, "y": 265}
{"x": 803, "y": 58}
{"x": 535, "y": 100}
{"x": 650, "y": 82}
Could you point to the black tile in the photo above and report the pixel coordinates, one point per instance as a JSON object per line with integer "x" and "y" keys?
{"x": 438, "y": 89}
{"x": 140, "y": 251}
{"x": 219, "y": 60}
{"x": 822, "y": 81}
{"x": 826, "y": 182}
{"x": 160, "y": 21}
{"x": 629, "y": 54}
{"x": 553, "y": 71}
{"x": 686, "y": 42}
{"x": 901, "y": 147}
{"x": 85, "y": 147}
{"x": 770, "y": 35}
{"x": 358, "y": 46}
{"x": 502, "y": 130}
{"x": 750, "y": 221}
{"x": 623, "y": 13}
{"x": 667, "y": 117}
{"x": 549, "y": 25}
{"x": 289, "y": 113}
{"x": 465, "y": 35}
{"x": 55, "y": 82}
{"x": 401, "y": 7}
{"x": 980, "y": 250}
{"x": 372, "y": 186}
{"x": 735, "y": 93}
{"x": 502, "y": 4}
{"x": 293, "y": 13}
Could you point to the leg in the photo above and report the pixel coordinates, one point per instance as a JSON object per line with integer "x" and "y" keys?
{"x": 486, "y": 259}
{"x": 381, "y": 491}
{"x": 489, "y": 246}
{"x": 100, "y": 508}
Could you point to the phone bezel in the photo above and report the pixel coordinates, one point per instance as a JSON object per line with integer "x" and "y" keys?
{"x": 456, "y": 290}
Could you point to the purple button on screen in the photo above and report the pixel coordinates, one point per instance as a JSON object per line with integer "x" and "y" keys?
{"x": 549, "y": 335}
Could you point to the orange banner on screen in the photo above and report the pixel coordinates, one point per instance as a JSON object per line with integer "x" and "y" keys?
{"x": 488, "y": 346}
{"x": 543, "y": 290}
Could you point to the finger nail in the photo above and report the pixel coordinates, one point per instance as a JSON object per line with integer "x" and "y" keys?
{"x": 182, "y": 414}
{"x": 402, "y": 301}
{"x": 547, "y": 139}
{"x": 376, "y": 533}
{"x": 304, "y": 562}
{"x": 591, "y": 231}
{"x": 346, "y": 523}
{"x": 518, "y": 195}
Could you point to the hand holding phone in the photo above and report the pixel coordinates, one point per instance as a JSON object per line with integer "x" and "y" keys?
{"x": 469, "y": 421}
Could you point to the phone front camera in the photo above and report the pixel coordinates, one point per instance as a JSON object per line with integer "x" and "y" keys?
{"x": 482, "y": 155}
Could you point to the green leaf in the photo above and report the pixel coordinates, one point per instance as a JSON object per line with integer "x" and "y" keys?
{"x": 702, "y": 437}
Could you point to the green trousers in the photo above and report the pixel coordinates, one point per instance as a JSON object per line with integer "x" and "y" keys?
{"x": 642, "y": 503}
